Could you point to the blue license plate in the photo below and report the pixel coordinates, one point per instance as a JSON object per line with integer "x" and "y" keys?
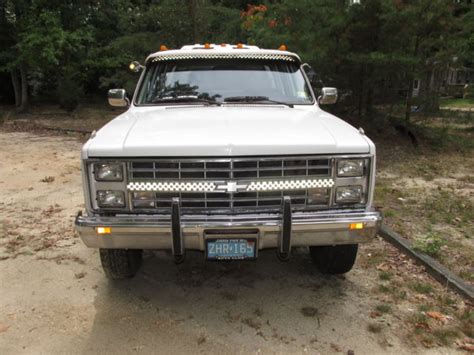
{"x": 231, "y": 248}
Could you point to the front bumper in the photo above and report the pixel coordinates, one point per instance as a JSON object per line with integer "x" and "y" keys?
{"x": 158, "y": 231}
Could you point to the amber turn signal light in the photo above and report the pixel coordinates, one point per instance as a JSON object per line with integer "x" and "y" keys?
{"x": 353, "y": 226}
{"x": 104, "y": 230}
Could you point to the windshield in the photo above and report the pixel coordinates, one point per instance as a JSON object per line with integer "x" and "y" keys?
{"x": 221, "y": 80}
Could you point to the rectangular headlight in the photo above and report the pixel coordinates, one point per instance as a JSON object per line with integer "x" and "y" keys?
{"x": 349, "y": 194}
{"x": 350, "y": 167}
{"x": 110, "y": 198}
{"x": 108, "y": 172}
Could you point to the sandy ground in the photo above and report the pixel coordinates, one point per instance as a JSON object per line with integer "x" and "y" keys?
{"x": 54, "y": 297}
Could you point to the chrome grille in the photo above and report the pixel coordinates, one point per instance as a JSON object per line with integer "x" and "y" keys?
{"x": 222, "y": 170}
{"x": 229, "y": 169}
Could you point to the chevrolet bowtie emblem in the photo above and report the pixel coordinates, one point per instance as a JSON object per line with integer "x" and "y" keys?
{"x": 231, "y": 186}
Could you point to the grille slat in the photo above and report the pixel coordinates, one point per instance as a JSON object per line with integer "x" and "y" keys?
{"x": 222, "y": 170}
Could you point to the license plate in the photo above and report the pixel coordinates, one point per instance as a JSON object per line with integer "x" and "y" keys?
{"x": 231, "y": 248}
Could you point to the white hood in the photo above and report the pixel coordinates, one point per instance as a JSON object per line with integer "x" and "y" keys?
{"x": 238, "y": 130}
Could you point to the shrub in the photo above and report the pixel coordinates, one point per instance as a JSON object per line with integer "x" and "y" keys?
{"x": 70, "y": 91}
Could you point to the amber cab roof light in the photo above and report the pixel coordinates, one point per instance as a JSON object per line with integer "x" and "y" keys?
{"x": 163, "y": 48}
{"x": 283, "y": 47}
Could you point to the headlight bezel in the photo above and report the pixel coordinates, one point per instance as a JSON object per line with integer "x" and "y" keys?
{"x": 357, "y": 173}
{"x": 356, "y": 200}
{"x": 96, "y": 167}
{"x": 102, "y": 205}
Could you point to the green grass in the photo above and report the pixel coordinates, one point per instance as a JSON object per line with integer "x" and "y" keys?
{"x": 430, "y": 244}
{"x": 457, "y": 103}
{"x": 446, "y": 207}
{"x": 421, "y": 287}
{"x": 385, "y": 275}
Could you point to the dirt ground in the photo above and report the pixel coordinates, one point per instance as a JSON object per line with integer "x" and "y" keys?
{"x": 55, "y": 298}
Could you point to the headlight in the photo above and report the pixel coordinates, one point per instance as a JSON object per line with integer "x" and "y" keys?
{"x": 349, "y": 194}
{"x": 144, "y": 199}
{"x": 110, "y": 198}
{"x": 318, "y": 196}
{"x": 108, "y": 172}
{"x": 350, "y": 167}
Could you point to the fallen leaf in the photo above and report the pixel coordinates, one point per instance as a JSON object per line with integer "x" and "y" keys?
{"x": 436, "y": 315}
{"x": 466, "y": 344}
{"x": 383, "y": 267}
{"x": 79, "y": 275}
{"x": 4, "y": 328}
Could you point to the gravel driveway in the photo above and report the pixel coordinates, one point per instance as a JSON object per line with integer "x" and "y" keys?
{"x": 54, "y": 297}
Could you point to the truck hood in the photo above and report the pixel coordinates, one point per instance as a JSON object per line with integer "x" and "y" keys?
{"x": 225, "y": 131}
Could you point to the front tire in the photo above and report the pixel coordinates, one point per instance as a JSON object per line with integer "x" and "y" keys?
{"x": 120, "y": 263}
{"x": 334, "y": 260}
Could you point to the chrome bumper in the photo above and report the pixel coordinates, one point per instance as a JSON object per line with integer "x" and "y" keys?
{"x": 156, "y": 232}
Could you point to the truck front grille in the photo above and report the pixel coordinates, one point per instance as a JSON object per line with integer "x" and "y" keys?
{"x": 240, "y": 170}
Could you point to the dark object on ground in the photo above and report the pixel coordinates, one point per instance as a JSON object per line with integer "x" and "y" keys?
{"x": 405, "y": 131}
{"x": 334, "y": 260}
{"x": 121, "y": 263}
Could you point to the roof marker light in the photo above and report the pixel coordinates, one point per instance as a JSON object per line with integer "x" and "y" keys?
{"x": 239, "y": 46}
{"x": 223, "y": 44}
{"x": 283, "y": 47}
{"x": 163, "y": 48}
{"x": 207, "y": 46}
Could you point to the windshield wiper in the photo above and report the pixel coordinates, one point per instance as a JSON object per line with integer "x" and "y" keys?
{"x": 184, "y": 98}
{"x": 255, "y": 99}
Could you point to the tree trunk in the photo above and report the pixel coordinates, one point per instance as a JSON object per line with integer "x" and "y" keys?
{"x": 16, "y": 86}
{"x": 411, "y": 77}
{"x": 24, "y": 89}
{"x": 192, "y": 12}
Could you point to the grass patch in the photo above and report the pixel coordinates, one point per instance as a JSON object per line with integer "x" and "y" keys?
{"x": 430, "y": 244}
{"x": 457, "y": 103}
{"x": 383, "y": 308}
{"x": 421, "y": 287}
{"x": 467, "y": 322}
{"x": 446, "y": 207}
{"x": 385, "y": 275}
{"x": 446, "y": 335}
{"x": 424, "y": 307}
{"x": 467, "y": 275}
{"x": 389, "y": 214}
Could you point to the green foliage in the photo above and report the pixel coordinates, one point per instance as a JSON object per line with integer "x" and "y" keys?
{"x": 421, "y": 287}
{"x": 371, "y": 51}
{"x": 70, "y": 91}
{"x": 430, "y": 244}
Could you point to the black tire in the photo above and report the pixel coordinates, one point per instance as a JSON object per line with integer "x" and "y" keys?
{"x": 120, "y": 263}
{"x": 334, "y": 260}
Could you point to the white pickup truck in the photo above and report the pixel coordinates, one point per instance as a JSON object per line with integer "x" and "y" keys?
{"x": 225, "y": 149}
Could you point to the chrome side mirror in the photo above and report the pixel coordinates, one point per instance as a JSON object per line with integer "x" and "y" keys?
{"x": 118, "y": 98}
{"x": 328, "y": 96}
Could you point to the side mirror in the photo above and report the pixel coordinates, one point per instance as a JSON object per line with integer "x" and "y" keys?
{"x": 118, "y": 98}
{"x": 328, "y": 96}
